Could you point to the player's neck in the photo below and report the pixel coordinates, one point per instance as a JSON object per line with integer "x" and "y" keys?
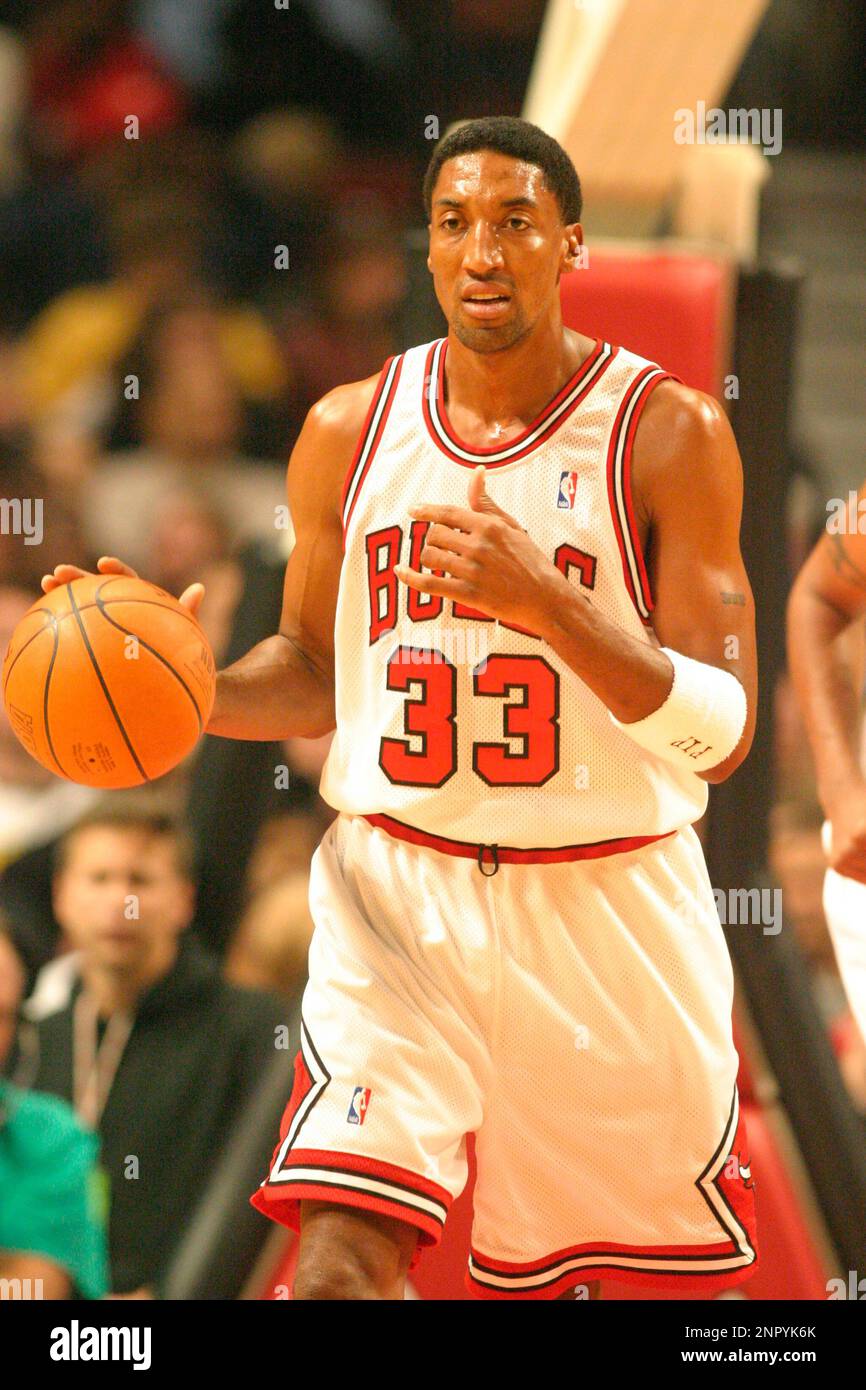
{"x": 515, "y": 383}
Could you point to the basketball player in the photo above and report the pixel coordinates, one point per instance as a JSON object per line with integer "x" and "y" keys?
{"x": 828, "y": 598}
{"x": 534, "y": 671}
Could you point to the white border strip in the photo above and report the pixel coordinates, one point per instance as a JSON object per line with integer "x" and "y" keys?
{"x": 363, "y": 1182}
{"x": 320, "y": 1081}
{"x": 619, "y": 489}
{"x": 371, "y": 435}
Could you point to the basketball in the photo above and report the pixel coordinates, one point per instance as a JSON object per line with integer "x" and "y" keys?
{"x": 108, "y": 681}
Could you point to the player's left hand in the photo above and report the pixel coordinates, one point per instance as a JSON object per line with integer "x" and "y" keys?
{"x": 489, "y": 561}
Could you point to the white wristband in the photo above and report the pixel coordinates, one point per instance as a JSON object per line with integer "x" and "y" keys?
{"x": 701, "y": 721}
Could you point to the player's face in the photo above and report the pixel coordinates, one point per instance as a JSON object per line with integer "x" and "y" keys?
{"x": 496, "y": 229}
{"x": 120, "y": 898}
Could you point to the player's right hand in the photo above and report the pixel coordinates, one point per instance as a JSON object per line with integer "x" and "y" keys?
{"x": 846, "y": 848}
{"x": 109, "y": 564}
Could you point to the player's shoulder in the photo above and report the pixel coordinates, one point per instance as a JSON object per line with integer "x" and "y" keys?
{"x": 326, "y": 445}
{"x": 683, "y": 443}
{"x": 344, "y": 408}
{"x": 673, "y": 405}
{"x": 679, "y": 422}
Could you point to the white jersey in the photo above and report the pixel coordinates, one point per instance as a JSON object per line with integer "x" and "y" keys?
{"x": 454, "y": 728}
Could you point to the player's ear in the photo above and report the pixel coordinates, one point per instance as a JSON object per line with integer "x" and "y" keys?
{"x": 573, "y": 247}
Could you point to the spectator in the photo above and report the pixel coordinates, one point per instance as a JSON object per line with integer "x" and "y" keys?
{"x": 158, "y": 233}
{"x": 50, "y": 1228}
{"x": 155, "y": 1049}
{"x": 269, "y": 949}
{"x": 190, "y": 418}
{"x": 349, "y": 326}
{"x": 88, "y": 71}
{"x": 35, "y": 809}
{"x": 287, "y": 167}
{"x": 42, "y": 524}
{"x": 234, "y": 783}
{"x": 286, "y": 843}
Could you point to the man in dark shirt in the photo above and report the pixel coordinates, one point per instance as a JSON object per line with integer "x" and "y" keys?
{"x": 154, "y": 1049}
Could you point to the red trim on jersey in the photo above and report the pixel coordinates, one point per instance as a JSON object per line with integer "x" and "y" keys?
{"x": 648, "y": 1278}
{"x": 506, "y": 854}
{"x": 484, "y": 455}
{"x": 280, "y": 1201}
{"x": 362, "y": 439}
{"x": 644, "y": 383}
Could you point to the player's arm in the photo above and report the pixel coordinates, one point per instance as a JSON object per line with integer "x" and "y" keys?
{"x": 828, "y": 597}
{"x": 687, "y": 488}
{"x": 688, "y": 479}
{"x": 284, "y": 686}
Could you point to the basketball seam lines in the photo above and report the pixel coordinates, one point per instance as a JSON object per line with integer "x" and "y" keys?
{"x": 167, "y": 664}
{"x": 55, "y": 620}
{"x": 45, "y": 697}
{"x": 106, "y": 692}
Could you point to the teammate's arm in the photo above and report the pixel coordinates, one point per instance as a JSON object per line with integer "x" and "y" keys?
{"x": 827, "y": 599}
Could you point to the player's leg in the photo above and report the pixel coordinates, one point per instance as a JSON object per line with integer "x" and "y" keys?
{"x": 351, "y": 1254}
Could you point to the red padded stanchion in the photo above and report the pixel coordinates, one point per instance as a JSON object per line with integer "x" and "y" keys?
{"x": 673, "y": 309}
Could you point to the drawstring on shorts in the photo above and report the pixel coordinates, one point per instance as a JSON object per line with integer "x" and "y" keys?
{"x": 495, "y": 851}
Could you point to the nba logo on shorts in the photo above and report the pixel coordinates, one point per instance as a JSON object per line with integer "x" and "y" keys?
{"x": 567, "y": 489}
{"x": 358, "y": 1105}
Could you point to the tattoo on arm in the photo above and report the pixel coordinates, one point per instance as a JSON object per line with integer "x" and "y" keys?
{"x": 842, "y": 562}
{"x": 733, "y": 598}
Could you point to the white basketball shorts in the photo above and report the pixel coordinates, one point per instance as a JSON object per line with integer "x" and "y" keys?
{"x": 575, "y": 1017}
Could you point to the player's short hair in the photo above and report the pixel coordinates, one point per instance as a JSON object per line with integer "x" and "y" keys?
{"x": 118, "y": 813}
{"x": 522, "y": 140}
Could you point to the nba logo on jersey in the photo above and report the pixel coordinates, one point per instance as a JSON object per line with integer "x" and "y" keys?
{"x": 567, "y": 490}
{"x": 358, "y": 1105}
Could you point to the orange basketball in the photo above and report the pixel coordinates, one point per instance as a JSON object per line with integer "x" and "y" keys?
{"x": 108, "y": 681}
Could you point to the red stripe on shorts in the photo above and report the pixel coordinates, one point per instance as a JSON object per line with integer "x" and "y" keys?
{"x": 508, "y": 854}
